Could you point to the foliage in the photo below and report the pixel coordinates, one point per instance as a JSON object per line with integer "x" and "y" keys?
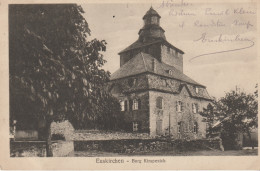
{"x": 237, "y": 112}
{"x": 55, "y": 72}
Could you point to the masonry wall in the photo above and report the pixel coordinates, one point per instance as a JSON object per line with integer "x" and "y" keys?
{"x": 170, "y": 57}
{"x": 153, "y": 49}
{"x": 149, "y": 34}
{"x": 170, "y": 117}
{"x": 128, "y": 89}
{"x": 141, "y": 115}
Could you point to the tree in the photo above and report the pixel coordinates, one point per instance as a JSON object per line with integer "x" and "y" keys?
{"x": 237, "y": 112}
{"x": 55, "y": 72}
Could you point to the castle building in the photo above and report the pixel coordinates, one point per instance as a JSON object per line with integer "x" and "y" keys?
{"x": 155, "y": 95}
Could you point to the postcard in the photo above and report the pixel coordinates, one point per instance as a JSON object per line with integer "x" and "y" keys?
{"x": 156, "y": 84}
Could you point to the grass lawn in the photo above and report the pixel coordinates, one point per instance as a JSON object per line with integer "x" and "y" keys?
{"x": 246, "y": 152}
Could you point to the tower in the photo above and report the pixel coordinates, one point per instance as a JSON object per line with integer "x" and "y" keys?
{"x": 151, "y": 29}
{"x": 152, "y": 41}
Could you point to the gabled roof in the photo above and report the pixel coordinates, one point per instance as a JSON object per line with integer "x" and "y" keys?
{"x": 143, "y": 62}
{"x": 138, "y": 44}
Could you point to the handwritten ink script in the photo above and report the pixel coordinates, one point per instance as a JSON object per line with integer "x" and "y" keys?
{"x": 214, "y": 23}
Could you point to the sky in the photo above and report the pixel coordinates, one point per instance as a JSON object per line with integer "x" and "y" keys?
{"x": 195, "y": 28}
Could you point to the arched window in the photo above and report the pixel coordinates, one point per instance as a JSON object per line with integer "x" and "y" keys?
{"x": 159, "y": 102}
{"x": 195, "y": 127}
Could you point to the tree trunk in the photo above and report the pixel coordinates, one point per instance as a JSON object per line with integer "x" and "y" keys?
{"x": 250, "y": 139}
{"x": 48, "y": 138}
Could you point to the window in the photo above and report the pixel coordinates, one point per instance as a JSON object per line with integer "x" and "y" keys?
{"x": 135, "y": 126}
{"x": 170, "y": 72}
{"x": 179, "y": 106}
{"x": 196, "y": 89}
{"x": 195, "y": 108}
{"x": 122, "y": 105}
{"x": 154, "y": 20}
{"x": 159, "y": 102}
{"x": 195, "y": 128}
{"x": 136, "y": 104}
{"x": 179, "y": 127}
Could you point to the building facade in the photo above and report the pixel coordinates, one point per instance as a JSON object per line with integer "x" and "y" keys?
{"x": 155, "y": 95}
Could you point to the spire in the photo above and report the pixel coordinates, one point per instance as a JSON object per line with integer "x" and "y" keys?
{"x": 151, "y": 12}
{"x": 151, "y": 29}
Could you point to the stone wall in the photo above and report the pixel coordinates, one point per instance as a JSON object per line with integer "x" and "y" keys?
{"x": 138, "y": 146}
{"x": 123, "y": 90}
{"x": 26, "y": 134}
{"x": 152, "y": 49}
{"x": 148, "y": 116}
{"x": 170, "y": 117}
{"x": 159, "y": 51}
{"x": 38, "y": 148}
{"x": 170, "y": 57}
{"x": 141, "y": 115}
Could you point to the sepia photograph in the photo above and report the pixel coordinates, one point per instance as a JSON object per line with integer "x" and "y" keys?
{"x": 130, "y": 83}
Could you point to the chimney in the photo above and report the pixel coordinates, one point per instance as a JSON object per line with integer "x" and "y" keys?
{"x": 154, "y": 65}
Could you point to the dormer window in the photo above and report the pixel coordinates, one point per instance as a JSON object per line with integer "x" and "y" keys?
{"x": 170, "y": 72}
{"x": 196, "y": 89}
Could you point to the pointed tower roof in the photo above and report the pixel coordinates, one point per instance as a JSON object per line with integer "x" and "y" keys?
{"x": 151, "y": 12}
{"x": 150, "y": 33}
